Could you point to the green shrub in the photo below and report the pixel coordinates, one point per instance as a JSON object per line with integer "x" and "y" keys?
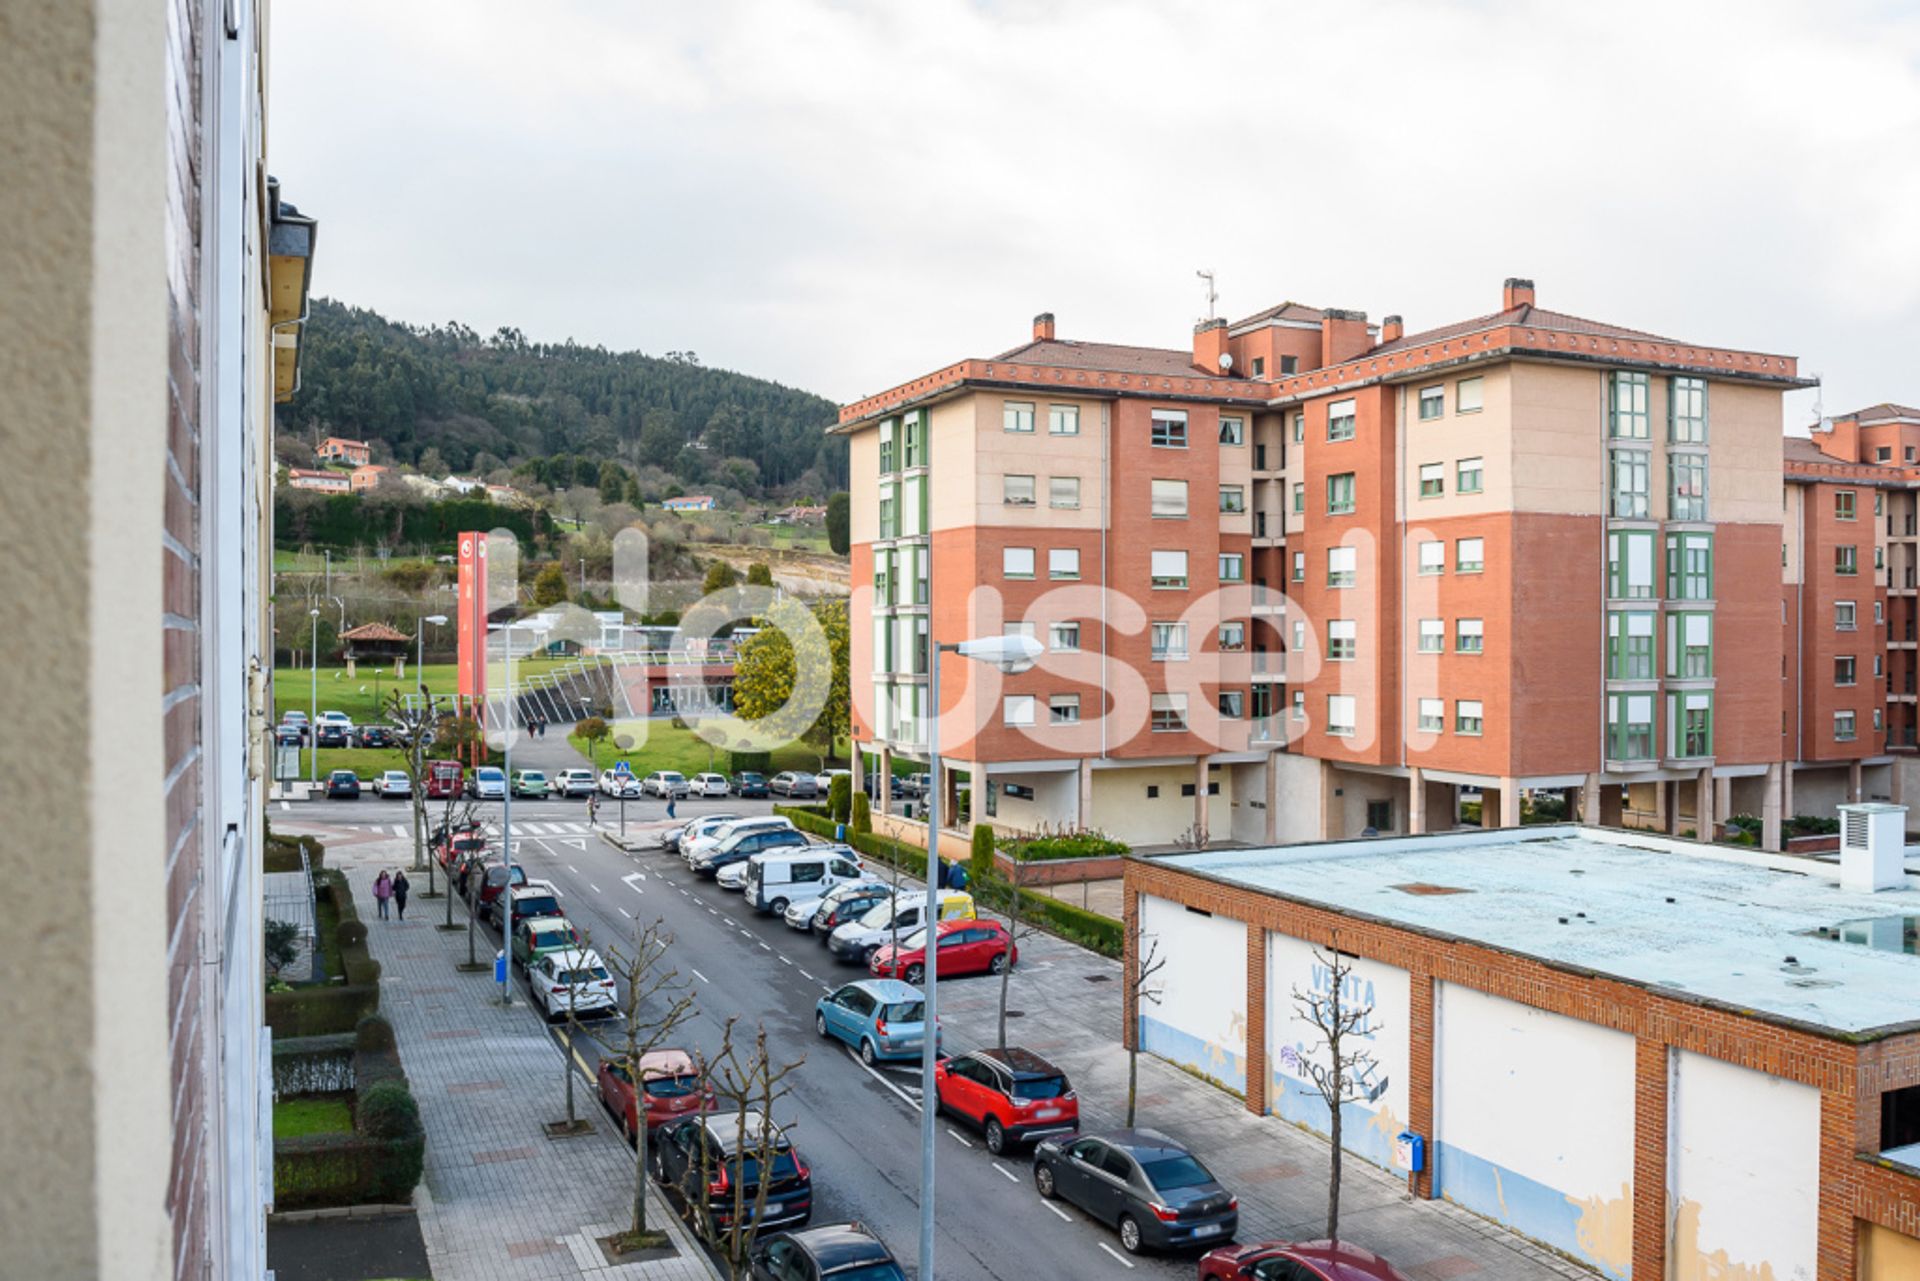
{"x": 1068, "y": 845}
{"x": 373, "y": 1032}
{"x": 980, "y": 864}
{"x": 1746, "y": 823}
{"x": 862, "y": 814}
{"x": 352, "y": 933}
{"x": 319, "y": 1011}
{"x": 1808, "y": 825}
{"x": 839, "y": 797}
{"x": 387, "y": 1111}
{"x": 751, "y": 762}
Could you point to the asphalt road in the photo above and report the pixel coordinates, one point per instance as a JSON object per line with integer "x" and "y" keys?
{"x": 858, "y": 1128}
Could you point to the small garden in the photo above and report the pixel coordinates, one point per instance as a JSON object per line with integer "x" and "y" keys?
{"x": 346, "y": 1127}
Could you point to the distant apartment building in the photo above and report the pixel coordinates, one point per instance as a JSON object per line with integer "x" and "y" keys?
{"x": 326, "y": 482}
{"x": 1311, "y": 578}
{"x": 338, "y": 449}
{"x": 689, "y": 503}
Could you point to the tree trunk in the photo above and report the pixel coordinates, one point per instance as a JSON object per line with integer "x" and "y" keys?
{"x": 639, "y": 1164}
{"x": 1006, "y": 975}
{"x": 1333, "y": 1128}
{"x": 1133, "y": 1079}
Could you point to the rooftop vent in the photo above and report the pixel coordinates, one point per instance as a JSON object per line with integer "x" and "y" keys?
{"x": 1872, "y": 847}
{"x": 1422, "y": 887}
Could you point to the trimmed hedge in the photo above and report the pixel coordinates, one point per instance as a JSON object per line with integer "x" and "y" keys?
{"x": 326, "y": 1008}
{"x": 1066, "y": 845}
{"x": 862, "y": 813}
{"x": 282, "y": 853}
{"x": 381, "y": 1161}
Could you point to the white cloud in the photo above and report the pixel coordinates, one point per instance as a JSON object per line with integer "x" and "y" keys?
{"x": 846, "y": 195}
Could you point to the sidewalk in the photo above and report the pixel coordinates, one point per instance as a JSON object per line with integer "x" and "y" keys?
{"x": 500, "y": 1201}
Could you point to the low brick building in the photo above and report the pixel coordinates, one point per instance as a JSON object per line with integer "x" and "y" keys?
{"x": 1661, "y": 1059}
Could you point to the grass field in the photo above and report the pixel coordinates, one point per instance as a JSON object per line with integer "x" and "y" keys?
{"x": 683, "y": 750}
{"x": 362, "y": 696}
{"x": 296, "y": 1118}
{"x": 367, "y": 762}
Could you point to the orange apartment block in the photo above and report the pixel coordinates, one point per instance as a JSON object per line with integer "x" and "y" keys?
{"x": 1312, "y": 578}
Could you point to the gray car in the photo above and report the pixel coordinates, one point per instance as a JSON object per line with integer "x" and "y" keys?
{"x": 1147, "y": 1185}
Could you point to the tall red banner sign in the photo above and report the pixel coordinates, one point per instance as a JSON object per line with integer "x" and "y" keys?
{"x": 472, "y": 621}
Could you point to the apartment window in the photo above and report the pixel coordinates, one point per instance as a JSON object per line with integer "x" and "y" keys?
{"x": 1169, "y": 642}
{"x": 1883, "y": 454}
{"x": 1433, "y": 403}
{"x": 1259, "y": 366}
{"x": 1340, "y": 494}
{"x": 1016, "y": 491}
{"x": 1299, "y": 428}
{"x": 1630, "y": 727}
{"x": 1343, "y": 565}
{"x": 1630, "y": 564}
{"x": 1017, "y": 710}
{"x": 1340, "y": 715}
{"x": 1017, "y": 416}
{"x": 1627, "y": 406}
{"x": 1233, "y": 637}
{"x": 1843, "y": 671}
{"x": 1232, "y": 567}
{"x": 1629, "y": 470}
{"x": 1630, "y": 646}
{"x": 1063, "y": 709}
{"x": 1470, "y": 555}
{"x": 1469, "y": 635}
{"x": 1169, "y": 428}
{"x": 1690, "y": 724}
{"x": 1233, "y": 498}
{"x": 1342, "y": 639}
{"x": 1433, "y": 557}
{"x": 1063, "y": 491}
{"x": 1299, "y": 704}
{"x": 1467, "y": 716}
{"x": 1016, "y": 562}
{"x": 1433, "y": 635}
{"x": 913, "y": 508}
{"x": 1843, "y": 727}
{"x": 1169, "y": 569}
{"x": 1687, "y": 411}
{"x": 1690, "y": 646}
{"x": 1017, "y": 629}
{"x": 1876, "y": 719}
{"x": 1169, "y": 712}
{"x": 1233, "y": 704}
{"x": 1845, "y": 618}
{"x": 1466, "y": 396}
{"x": 1063, "y": 420}
{"x": 916, "y": 441}
{"x": 1433, "y": 715}
{"x": 886, "y": 447}
{"x": 1233, "y": 431}
{"x": 1879, "y": 556}
{"x": 1289, "y": 364}
{"x": 1846, "y": 560}
{"x": 922, "y": 559}
{"x": 1299, "y": 634}
{"x": 1878, "y": 615}
{"x": 1064, "y": 637}
{"x": 1690, "y": 566}
{"x": 1063, "y": 562}
{"x": 1467, "y": 475}
{"x": 1686, "y": 486}
{"x": 1299, "y": 567}
{"x": 1843, "y": 504}
{"x": 883, "y": 578}
{"x": 1433, "y": 480}
{"x": 1299, "y": 497}
{"x": 1340, "y": 420}
{"x": 1169, "y": 498}
{"x": 1877, "y": 673}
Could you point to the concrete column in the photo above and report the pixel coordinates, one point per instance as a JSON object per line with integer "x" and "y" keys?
{"x": 1200, "y": 796}
{"x": 1416, "y": 802}
{"x": 1612, "y": 806}
{"x": 1590, "y": 800}
{"x": 1650, "y": 1107}
{"x": 1855, "y": 792}
{"x": 1771, "y": 807}
{"x": 1703, "y": 809}
{"x": 1489, "y": 806}
{"x": 883, "y": 799}
{"x": 1509, "y": 802}
{"x": 1256, "y": 1061}
{"x": 1786, "y": 791}
{"x": 1083, "y": 793}
{"x": 1273, "y": 798}
{"x": 1668, "y": 794}
{"x": 1722, "y": 799}
{"x": 977, "y": 812}
{"x": 1332, "y": 823}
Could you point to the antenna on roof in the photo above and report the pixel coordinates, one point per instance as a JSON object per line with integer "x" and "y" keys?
{"x": 1212, "y": 297}
{"x": 1820, "y": 422}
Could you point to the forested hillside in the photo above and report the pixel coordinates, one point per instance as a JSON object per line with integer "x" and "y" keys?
{"x": 445, "y": 399}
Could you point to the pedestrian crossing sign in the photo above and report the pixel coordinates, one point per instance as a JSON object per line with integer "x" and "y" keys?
{"x": 622, "y": 770}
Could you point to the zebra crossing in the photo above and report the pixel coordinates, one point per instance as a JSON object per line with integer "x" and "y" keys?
{"x": 521, "y": 827}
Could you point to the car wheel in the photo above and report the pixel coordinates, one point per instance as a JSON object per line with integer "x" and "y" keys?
{"x": 998, "y": 963}
{"x": 866, "y": 957}
{"x": 996, "y": 1136}
{"x": 820, "y": 1022}
{"x": 867, "y": 1055}
{"x": 778, "y": 907}
{"x": 1129, "y": 1234}
{"x": 915, "y": 973}
{"x": 1043, "y": 1180}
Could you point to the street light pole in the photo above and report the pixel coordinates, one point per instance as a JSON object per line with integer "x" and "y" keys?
{"x": 313, "y": 715}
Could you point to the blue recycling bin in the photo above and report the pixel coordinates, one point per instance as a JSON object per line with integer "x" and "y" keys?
{"x": 840, "y": 832}
{"x": 500, "y": 967}
{"x": 1410, "y": 1151}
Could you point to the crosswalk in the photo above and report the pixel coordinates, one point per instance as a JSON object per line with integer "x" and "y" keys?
{"x": 522, "y": 828}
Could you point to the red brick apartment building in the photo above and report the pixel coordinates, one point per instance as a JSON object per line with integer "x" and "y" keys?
{"x": 1311, "y": 577}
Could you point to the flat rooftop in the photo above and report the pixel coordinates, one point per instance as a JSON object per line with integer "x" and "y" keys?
{"x": 1702, "y": 922}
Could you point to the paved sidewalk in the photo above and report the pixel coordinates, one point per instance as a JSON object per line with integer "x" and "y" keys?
{"x": 500, "y": 1201}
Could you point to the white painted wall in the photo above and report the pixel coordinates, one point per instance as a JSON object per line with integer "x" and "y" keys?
{"x": 1201, "y": 1019}
{"x": 1121, "y": 807}
{"x": 1533, "y": 1118}
{"x": 1246, "y": 788}
{"x": 1745, "y": 1154}
{"x": 1371, "y": 1124}
{"x": 1299, "y": 818}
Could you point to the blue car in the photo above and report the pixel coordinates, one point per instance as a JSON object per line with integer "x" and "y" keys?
{"x": 881, "y": 1018}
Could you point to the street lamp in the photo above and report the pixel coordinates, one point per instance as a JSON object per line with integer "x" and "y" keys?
{"x": 506, "y": 629}
{"x": 313, "y": 716}
{"x": 1011, "y": 654}
{"x": 416, "y": 750}
{"x": 420, "y": 643}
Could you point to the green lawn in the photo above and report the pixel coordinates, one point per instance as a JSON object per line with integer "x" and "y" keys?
{"x": 367, "y": 762}
{"x": 363, "y": 695}
{"x": 295, "y": 1118}
{"x": 681, "y": 749}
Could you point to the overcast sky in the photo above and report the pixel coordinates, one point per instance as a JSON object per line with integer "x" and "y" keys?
{"x": 842, "y": 196}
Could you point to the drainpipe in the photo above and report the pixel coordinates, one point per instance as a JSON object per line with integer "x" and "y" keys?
{"x": 1400, "y": 549}
{"x": 1106, "y": 576}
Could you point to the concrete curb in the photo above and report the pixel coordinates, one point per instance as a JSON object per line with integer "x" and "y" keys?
{"x": 371, "y": 1211}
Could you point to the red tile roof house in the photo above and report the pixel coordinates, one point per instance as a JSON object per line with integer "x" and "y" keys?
{"x": 332, "y": 482}
{"x": 338, "y": 449}
{"x": 367, "y": 476}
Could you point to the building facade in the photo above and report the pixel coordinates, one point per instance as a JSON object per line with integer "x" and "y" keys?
{"x": 339, "y": 449}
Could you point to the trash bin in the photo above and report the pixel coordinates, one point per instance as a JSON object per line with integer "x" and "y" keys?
{"x": 500, "y": 966}
{"x": 1410, "y": 1152}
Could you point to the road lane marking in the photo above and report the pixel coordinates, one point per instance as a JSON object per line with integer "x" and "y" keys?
{"x": 624, "y": 912}
{"x": 783, "y": 960}
{"x": 765, "y": 948}
{"x": 573, "y": 869}
{"x": 285, "y": 806}
{"x": 1064, "y": 1216}
{"x": 1120, "y": 1258}
{"x": 628, "y": 880}
{"x": 593, "y": 887}
{"x": 810, "y": 978}
{"x": 697, "y": 974}
{"x": 959, "y": 1138}
{"x": 1011, "y": 1176}
{"x": 904, "y": 1097}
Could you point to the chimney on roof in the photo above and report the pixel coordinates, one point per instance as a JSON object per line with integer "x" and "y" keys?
{"x": 1210, "y": 347}
{"x": 1043, "y": 327}
{"x": 1343, "y": 335}
{"x": 1516, "y": 293}
{"x": 1391, "y": 329}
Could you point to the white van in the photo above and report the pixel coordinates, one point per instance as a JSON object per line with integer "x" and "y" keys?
{"x": 776, "y": 878}
{"x": 859, "y": 940}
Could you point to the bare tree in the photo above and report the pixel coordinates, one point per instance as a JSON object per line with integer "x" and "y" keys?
{"x": 414, "y": 722}
{"x": 1014, "y": 905}
{"x": 1338, "y": 1017}
{"x": 746, "y": 1083}
{"x": 1147, "y": 966}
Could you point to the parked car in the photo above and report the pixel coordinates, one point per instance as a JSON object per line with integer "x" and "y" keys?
{"x": 733, "y": 877}
{"x": 844, "y": 1250}
{"x": 708, "y": 785}
{"x": 773, "y": 880}
{"x": 330, "y": 735}
{"x": 881, "y": 1018}
{"x": 857, "y": 940}
{"x": 530, "y": 783}
{"x": 341, "y": 719}
{"x": 575, "y": 980}
{"x": 298, "y": 719}
{"x": 535, "y": 898}
{"x": 671, "y": 1084}
{"x": 747, "y": 784}
{"x": 487, "y": 783}
{"x": 665, "y": 783}
{"x": 444, "y": 780}
{"x": 792, "y": 783}
{"x": 374, "y": 736}
{"x": 1297, "y": 1261}
{"x": 839, "y": 905}
{"x": 896, "y": 787}
{"x": 674, "y": 839}
{"x": 343, "y": 785}
{"x": 733, "y": 1170}
{"x": 488, "y": 879}
{"x": 461, "y": 845}
{"x": 1151, "y": 1188}
{"x": 692, "y": 848}
{"x": 916, "y": 785}
{"x": 741, "y": 846}
{"x": 966, "y": 947}
{"x": 823, "y": 781}
{"x": 1011, "y": 1095}
{"x": 573, "y": 782}
{"x": 535, "y": 936}
{"x": 393, "y": 783}
{"x": 288, "y": 735}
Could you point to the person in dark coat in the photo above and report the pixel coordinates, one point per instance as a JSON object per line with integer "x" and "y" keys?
{"x": 400, "y": 888}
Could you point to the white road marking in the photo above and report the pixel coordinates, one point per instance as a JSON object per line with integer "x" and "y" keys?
{"x": 807, "y": 976}
{"x": 710, "y": 911}
{"x": 1120, "y": 1258}
{"x": 573, "y": 869}
{"x": 1011, "y": 1176}
{"x": 765, "y": 948}
{"x": 593, "y": 887}
{"x": 628, "y": 880}
{"x": 576, "y": 842}
{"x": 905, "y": 1098}
{"x": 285, "y": 805}
{"x": 747, "y": 934}
{"x": 697, "y": 974}
{"x": 1064, "y": 1216}
{"x": 783, "y": 960}
{"x": 959, "y": 1138}
{"x": 624, "y": 912}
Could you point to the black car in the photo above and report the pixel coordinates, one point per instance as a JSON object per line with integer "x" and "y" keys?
{"x": 375, "y": 736}
{"x": 747, "y": 784}
{"x": 706, "y": 1148}
{"x": 896, "y": 788}
{"x": 343, "y": 785}
{"x": 289, "y": 736}
{"x": 1155, "y": 1191}
{"x": 844, "y": 1250}
{"x": 744, "y": 845}
{"x": 330, "y": 735}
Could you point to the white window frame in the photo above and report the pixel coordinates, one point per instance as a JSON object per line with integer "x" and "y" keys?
{"x": 1016, "y": 416}
{"x": 1063, "y": 564}
{"x": 1016, "y": 711}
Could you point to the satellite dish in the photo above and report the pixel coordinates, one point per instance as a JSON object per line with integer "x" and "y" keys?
{"x": 1226, "y": 360}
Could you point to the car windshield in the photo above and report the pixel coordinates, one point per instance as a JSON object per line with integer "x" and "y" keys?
{"x": 1175, "y": 1172}
{"x": 589, "y": 974}
{"x": 542, "y": 905}
{"x": 879, "y": 916}
{"x": 341, "y": 776}
{"x": 914, "y": 941}
{"x": 491, "y": 775}
{"x": 906, "y": 1012}
{"x": 395, "y": 776}
{"x": 1039, "y": 1087}
{"x": 672, "y": 1087}
{"x": 753, "y": 778}
{"x": 553, "y": 939}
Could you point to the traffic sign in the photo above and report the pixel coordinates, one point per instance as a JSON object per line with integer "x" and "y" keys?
{"x": 622, "y": 770}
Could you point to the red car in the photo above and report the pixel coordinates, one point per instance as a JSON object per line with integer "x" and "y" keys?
{"x": 1013, "y": 1095}
{"x": 1297, "y": 1261}
{"x": 673, "y": 1089}
{"x": 454, "y": 848}
{"x": 966, "y": 947}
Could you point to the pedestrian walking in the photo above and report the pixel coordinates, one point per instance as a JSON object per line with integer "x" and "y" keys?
{"x": 593, "y": 809}
{"x": 400, "y": 888}
{"x": 382, "y": 891}
{"x": 669, "y": 802}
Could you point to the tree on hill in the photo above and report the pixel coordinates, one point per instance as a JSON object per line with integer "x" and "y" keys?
{"x": 720, "y": 576}
{"x": 550, "y": 586}
{"x": 759, "y": 574}
{"x": 839, "y": 513}
{"x": 765, "y": 677}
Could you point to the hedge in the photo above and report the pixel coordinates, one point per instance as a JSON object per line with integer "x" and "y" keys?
{"x": 326, "y": 1008}
{"x": 381, "y": 1161}
{"x": 1067, "y": 845}
{"x": 282, "y": 853}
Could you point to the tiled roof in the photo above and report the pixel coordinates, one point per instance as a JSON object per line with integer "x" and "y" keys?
{"x": 1285, "y": 311}
{"x": 1882, "y": 412}
{"x": 374, "y": 632}
{"x": 1801, "y": 450}
{"x": 1525, "y": 314}
{"x": 1112, "y": 358}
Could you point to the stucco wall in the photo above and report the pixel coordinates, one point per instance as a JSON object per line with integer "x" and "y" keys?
{"x": 1122, "y": 808}
{"x": 1201, "y": 1019}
